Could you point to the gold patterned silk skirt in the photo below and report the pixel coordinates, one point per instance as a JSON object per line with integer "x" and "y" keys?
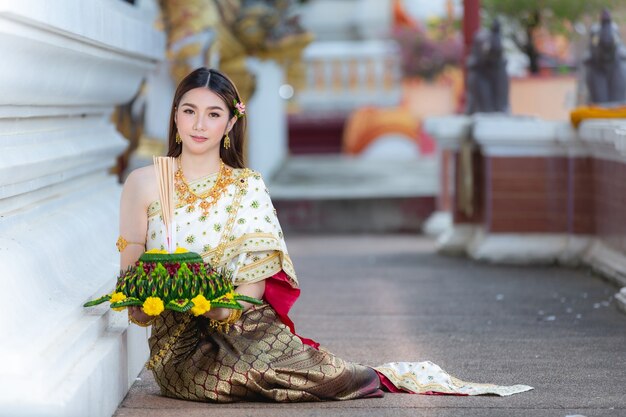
{"x": 257, "y": 359}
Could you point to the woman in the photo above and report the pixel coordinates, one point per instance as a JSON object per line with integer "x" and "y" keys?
{"x": 224, "y": 212}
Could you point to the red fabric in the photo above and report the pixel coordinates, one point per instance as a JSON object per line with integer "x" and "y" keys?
{"x": 281, "y": 296}
{"x": 388, "y": 386}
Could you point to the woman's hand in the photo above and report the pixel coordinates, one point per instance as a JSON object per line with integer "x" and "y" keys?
{"x": 218, "y": 313}
{"x": 255, "y": 290}
{"x": 137, "y": 314}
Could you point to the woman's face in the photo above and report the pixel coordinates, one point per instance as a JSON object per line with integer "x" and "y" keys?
{"x": 202, "y": 119}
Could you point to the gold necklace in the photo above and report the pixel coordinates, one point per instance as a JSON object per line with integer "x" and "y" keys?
{"x": 208, "y": 198}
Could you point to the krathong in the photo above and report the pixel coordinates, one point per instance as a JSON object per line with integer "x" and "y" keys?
{"x": 179, "y": 281}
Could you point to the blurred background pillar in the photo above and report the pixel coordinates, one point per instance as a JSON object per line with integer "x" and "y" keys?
{"x": 471, "y": 22}
{"x": 449, "y": 132}
{"x": 66, "y": 65}
{"x": 267, "y": 118}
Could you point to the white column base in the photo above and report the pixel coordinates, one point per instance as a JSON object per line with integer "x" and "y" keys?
{"x": 620, "y": 297}
{"x": 456, "y": 240}
{"x": 509, "y": 248}
{"x": 438, "y": 223}
{"x": 606, "y": 261}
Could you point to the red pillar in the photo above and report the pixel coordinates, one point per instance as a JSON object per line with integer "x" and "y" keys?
{"x": 471, "y": 24}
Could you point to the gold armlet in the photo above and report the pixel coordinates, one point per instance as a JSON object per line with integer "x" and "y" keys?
{"x": 122, "y": 243}
{"x": 140, "y": 323}
{"x": 224, "y": 325}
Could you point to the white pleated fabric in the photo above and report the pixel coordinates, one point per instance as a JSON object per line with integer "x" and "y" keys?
{"x": 428, "y": 378}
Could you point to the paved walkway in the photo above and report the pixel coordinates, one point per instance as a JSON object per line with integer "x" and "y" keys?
{"x": 374, "y": 299}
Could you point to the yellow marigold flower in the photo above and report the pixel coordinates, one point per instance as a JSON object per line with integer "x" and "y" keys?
{"x": 200, "y": 305}
{"x": 158, "y": 251}
{"x": 181, "y": 250}
{"x": 153, "y": 306}
{"x": 116, "y": 297}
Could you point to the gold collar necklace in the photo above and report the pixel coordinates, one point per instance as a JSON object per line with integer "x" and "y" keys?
{"x": 206, "y": 199}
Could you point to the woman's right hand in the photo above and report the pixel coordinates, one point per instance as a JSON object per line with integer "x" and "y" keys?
{"x": 137, "y": 314}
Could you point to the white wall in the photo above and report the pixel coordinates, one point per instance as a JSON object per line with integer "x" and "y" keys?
{"x": 66, "y": 64}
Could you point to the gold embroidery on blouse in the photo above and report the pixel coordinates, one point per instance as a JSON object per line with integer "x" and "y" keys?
{"x": 256, "y": 264}
{"x": 254, "y": 242}
{"x": 248, "y": 236}
{"x": 242, "y": 183}
{"x": 265, "y": 268}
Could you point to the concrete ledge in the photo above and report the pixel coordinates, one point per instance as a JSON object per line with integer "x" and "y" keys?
{"x": 449, "y": 131}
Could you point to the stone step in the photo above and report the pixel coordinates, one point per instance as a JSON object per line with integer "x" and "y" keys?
{"x": 335, "y": 193}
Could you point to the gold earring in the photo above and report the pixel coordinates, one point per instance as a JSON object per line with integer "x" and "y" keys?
{"x": 178, "y": 138}
{"x": 226, "y": 142}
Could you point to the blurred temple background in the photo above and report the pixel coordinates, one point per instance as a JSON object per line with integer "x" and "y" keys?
{"x": 358, "y": 120}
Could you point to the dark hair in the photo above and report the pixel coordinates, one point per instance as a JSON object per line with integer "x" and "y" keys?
{"x": 221, "y": 85}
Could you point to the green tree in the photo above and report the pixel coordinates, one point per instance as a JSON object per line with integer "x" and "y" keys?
{"x": 527, "y": 15}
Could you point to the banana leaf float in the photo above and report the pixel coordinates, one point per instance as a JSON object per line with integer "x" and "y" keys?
{"x": 179, "y": 281}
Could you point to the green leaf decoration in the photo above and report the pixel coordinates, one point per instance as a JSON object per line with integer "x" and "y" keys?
{"x": 194, "y": 286}
{"x": 131, "y": 301}
{"x": 181, "y": 306}
{"x": 191, "y": 257}
{"x": 97, "y": 301}
{"x": 223, "y": 304}
{"x": 171, "y": 278}
{"x": 247, "y": 299}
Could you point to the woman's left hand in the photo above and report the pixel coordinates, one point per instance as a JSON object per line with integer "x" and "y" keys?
{"x": 255, "y": 290}
{"x": 218, "y": 313}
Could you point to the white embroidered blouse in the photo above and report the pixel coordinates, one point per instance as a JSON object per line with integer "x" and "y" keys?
{"x": 241, "y": 231}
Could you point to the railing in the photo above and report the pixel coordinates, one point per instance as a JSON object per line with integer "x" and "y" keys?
{"x": 343, "y": 75}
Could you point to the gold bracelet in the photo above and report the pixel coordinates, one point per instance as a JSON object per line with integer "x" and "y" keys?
{"x": 131, "y": 319}
{"x": 224, "y": 325}
{"x": 234, "y": 316}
